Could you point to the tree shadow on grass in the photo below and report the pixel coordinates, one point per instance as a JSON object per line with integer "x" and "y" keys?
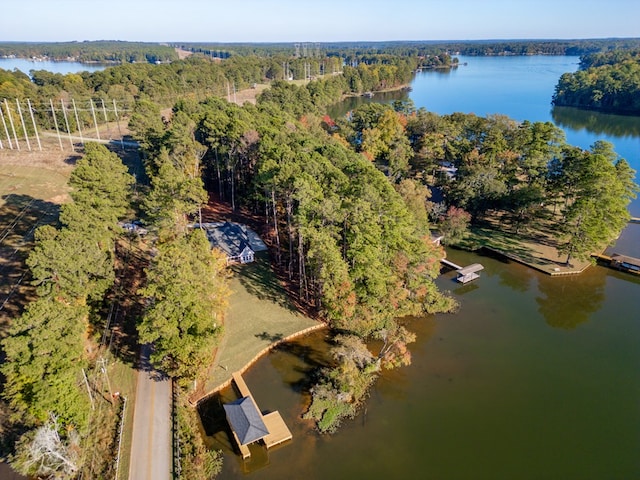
{"x": 20, "y": 216}
{"x": 260, "y": 281}
{"x": 270, "y": 337}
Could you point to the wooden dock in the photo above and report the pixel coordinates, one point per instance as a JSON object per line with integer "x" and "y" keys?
{"x": 465, "y": 274}
{"x": 634, "y": 220}
{"x": 278, "y": 430}
{"x": 241, "y": 385}
{"x": 450, "y": 264}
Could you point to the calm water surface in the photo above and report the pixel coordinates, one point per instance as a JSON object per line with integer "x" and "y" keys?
{"x": 26, "y": 66}
{"x": 534, "y": 378}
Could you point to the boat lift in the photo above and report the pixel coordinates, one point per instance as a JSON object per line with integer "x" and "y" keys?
{"x": 465, "y": 274}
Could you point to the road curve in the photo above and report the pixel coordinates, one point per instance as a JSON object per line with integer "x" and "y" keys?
{"x": 151, "y": 442}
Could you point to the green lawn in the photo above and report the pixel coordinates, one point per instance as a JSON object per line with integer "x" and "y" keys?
{"x": 532, "y": 248}
{"x": 259, "y": 314}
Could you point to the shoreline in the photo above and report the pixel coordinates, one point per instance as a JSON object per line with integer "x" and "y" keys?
{"x": 256, "y": 358}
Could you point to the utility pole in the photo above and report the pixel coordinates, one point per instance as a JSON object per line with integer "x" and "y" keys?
{"x": 103, "y": 368}
{"x": 115, "y": 111}
{"x": 106, "y": 118}
{"x": 66, "y": 121}
{"x": 75, "y": 111}
{"x": 6, "y": 131}
{"x": 13, "y": 128}
{"x": 35, "y": 128}
{"x": 55, "y": 122}
{"x": 24, "y": 127}
{"x": 86, "y": 382}
{"x": 95, "y": 122}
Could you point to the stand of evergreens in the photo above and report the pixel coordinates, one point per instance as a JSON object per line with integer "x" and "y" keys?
{"x": 50, "y": 346}
{"x": 607, "y": 82}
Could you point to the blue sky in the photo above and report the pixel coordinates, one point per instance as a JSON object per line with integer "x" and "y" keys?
{"x": 315, "y": 21}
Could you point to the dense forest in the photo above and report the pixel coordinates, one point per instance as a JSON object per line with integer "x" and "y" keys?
{"x": 347, "y": 204}
{"x": 608, "y": 82}
{"x": 198, "y": 77}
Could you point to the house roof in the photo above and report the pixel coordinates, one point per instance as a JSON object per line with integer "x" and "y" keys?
{"x": 245, "y": 420}
{"x": 232, "y": 238}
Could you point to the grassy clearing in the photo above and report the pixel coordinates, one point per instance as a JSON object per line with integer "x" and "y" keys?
{"x": 259, "y": 314}
{"x": 33, "y": 185}
{"x": 534, "y": 248}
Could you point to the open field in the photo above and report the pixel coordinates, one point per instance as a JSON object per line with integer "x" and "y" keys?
{"x": 33, "y": 185}
{"x": 259, "y": 315}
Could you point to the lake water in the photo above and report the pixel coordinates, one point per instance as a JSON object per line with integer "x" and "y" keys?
{"x": 534, "y": 378}
{"x": 25, "y": 66}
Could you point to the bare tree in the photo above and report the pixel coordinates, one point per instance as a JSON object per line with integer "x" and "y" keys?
{"x": 47, "y": 454}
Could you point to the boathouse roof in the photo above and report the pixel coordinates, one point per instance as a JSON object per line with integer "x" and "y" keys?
{"x": 473, "y": 268}
{"x": 245, "y": 420}
{"x": 624, "y": 259}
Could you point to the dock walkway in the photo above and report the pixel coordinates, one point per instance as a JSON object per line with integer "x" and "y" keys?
{"x": 450, "y": 264}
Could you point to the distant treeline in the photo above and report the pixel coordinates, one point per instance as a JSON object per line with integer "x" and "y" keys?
{"x": 541, "y": 47}
{"x": 130, "y": 52}
{"x": 414, "y": 48}
{"x": 92, "y": 52}
{"x": 607, "y": 82}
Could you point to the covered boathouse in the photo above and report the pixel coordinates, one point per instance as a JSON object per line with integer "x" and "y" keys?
{"x": 626, "y": 263}
{"x": 249, "y": 425}
{"x": 469, "y": 273}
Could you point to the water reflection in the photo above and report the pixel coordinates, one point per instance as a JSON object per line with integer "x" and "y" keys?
{"x": 567, "y": 302}
{"x": 517, "y": 278}
{"x": 465, "y": 288}
{"x": 341, "y": 109}
{"x": 597, "y": 123}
